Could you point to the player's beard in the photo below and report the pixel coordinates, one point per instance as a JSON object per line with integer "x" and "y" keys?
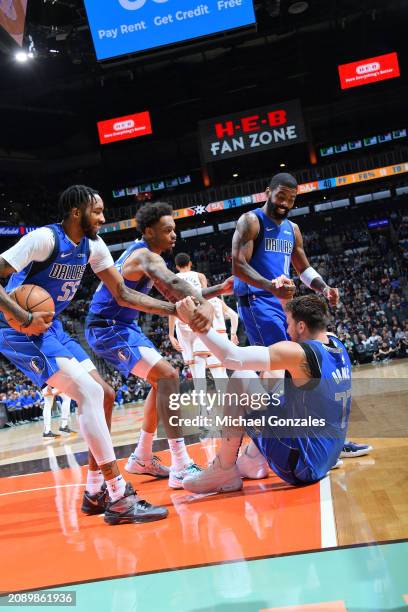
{"x": 87, "y": 229}
{"x": 274, "y": 212}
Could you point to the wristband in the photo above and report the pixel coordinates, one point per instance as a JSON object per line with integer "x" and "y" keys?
{"x": 309, "y": 275}
{"x": 29, "y": 320}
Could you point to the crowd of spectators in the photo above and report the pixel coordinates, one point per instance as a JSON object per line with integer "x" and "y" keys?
{"x": 371, "y": 319}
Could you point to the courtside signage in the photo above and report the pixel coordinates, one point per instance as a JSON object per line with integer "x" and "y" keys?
{"x": 368, "y": 71}
{"x": 122, "y": 128}
{"x": 252, "y": 131}
{"x": 130, "y": 26}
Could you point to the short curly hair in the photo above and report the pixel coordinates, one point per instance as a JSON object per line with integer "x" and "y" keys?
{"x": 149, "y": 214}
{"x": 311, "y": 309}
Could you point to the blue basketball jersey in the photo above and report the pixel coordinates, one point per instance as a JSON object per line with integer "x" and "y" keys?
{"x": 272, "y": 253}
{"x": 105, "y": 306}
{"x": 61, "y": 273}
{"x": 328, "y": 399}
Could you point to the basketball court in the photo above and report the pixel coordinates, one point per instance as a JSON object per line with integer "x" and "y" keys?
{"x": 341, "y": 544}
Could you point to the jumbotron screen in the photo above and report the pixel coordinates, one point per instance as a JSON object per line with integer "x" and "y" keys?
{"x": 130, "y": 26}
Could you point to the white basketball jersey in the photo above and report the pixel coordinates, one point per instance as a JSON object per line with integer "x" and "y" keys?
{"x": 219, "y": 320}
{"x": 192, "y": 279}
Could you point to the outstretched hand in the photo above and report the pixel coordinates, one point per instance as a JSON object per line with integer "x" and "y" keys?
{"x": 283, "y": 288}
{"x": 332, "y": 295}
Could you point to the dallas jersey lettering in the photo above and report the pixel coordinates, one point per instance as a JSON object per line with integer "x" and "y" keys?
{"x": 61, "y": 273}
{"x": 272, "y": 254}
{"x": 260, "y": 311}
{"x": 105, "y": 306}
{"x": 327, "y": 397}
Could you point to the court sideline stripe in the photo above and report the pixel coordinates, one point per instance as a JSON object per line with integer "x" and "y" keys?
{"x": 327, "y": 519}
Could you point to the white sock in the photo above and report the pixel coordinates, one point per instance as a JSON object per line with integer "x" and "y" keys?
{"x": 144, "y": 448}
{"x": 116, "y": 487}
{"x": 179, "y": 456}
{"x": 229, "y": 452}
{"x": 65, "y": 410}
{"x": 48, "y": 402}
{"x": 94, "y": 481}
{"x": 200, "y": 382}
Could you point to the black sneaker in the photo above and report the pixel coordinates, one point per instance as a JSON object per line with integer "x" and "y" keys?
{"x": 130, "y": 509}
{"x": 50, "y": 435}
{"x": 67, "y": 430}
{"x": 97, "y": 503}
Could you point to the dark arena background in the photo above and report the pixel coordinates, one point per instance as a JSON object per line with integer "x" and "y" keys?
{"x": 199, "y": 105}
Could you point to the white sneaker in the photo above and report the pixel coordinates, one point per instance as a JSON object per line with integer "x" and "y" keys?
{"x": 176, "y": 478}
{"x": 152, "y": 467}
{"x": 214, "y": 479}
{"x": 338, "y": 464}
{"x": 252, "y": 467}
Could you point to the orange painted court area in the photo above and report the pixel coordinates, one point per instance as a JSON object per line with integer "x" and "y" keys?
{"x": 50, "y": 542}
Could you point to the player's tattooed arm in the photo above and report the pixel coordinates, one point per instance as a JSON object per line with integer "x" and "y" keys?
{"x": 301, "y": 264}
{"x": 133, "y": 299}
{"x": 172, "y": 286}
{"x": 245, "y": 234}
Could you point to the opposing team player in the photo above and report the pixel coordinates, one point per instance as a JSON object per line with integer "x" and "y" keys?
{"x": 114, "y": 335}
{"x": 317, "y": 387}
{"x": 195, "y": 354}
{"x": 49, "y": 394}
{"x": 55, "y": 257}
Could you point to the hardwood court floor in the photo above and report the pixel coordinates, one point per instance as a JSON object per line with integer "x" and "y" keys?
{"x": 242, "y": 551}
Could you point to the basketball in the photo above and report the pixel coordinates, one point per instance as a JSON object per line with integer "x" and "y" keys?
{"x": 31, "y": 298}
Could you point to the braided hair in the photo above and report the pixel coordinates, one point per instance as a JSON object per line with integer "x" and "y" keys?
{"x": 76, "y": 196}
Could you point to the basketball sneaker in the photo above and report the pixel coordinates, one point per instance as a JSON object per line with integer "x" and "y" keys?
{"x": 131, "y": 509}
{"x": 214, "y": 479}
{"x": 152, "y": 467}
{"x": 176, "y": 478}
{"x": 50, "y": 435}
{"x": 67, "y": 430}
{"x": 95, "y": 504}
{"x": 255, "y": 467}
{"x": 351, "y": 449}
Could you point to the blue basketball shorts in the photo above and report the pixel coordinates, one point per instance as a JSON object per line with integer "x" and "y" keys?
{"x": 119, "y": 344}
{"x": 35, "y": 356}
{"x": 264, "y": 322}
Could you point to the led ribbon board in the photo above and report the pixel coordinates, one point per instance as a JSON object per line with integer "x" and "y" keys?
{"x": 259, "y": 198}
